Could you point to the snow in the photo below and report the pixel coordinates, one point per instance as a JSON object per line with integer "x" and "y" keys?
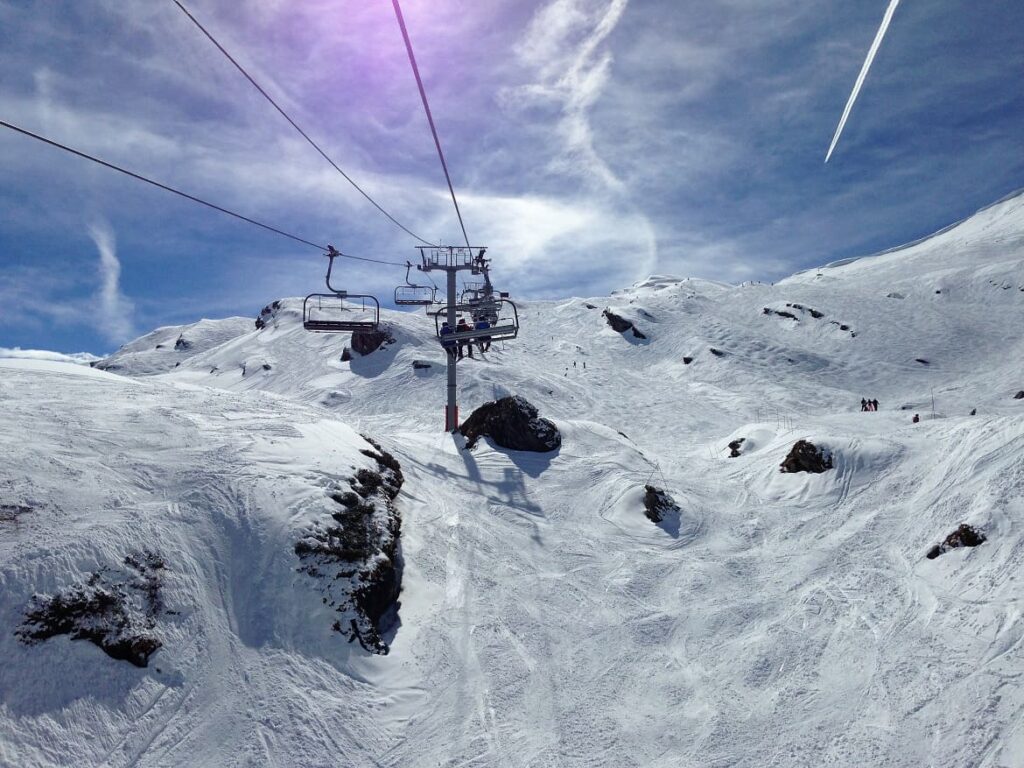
{"x": 784, "y": 619}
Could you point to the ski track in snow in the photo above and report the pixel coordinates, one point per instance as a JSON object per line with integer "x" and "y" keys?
{"x": 783, "y": 620}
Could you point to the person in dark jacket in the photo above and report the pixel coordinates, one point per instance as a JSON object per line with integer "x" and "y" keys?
{"x": 463, "y": 344}
{"x": 863, "y": 404}
{"x": 874, "y": 405}
{"x": 483, "y": 342}
{"x": 448, "y": 345}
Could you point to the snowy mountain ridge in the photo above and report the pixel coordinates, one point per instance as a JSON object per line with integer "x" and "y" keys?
{"x": 779, "y": 619}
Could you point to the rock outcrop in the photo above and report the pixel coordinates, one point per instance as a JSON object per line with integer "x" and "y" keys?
{"x": 513, "y": 423}
{"x": 805, "y": 456}
{"x": 734, "y": 447}
{"x": 964, "y": 536}
{"x": 658, "y": 504}
{"x": 354, "y": 552}
{"x": 267, "y": 315}
{"x": 622, "y": 325}
{"x": 115, "y": 609}
{"x": 368, "y": 342}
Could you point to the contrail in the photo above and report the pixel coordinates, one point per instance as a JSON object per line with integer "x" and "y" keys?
{"x": 863, "y": 74}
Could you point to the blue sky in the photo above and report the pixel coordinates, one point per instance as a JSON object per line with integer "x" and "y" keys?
{"x": 592, "y": 142}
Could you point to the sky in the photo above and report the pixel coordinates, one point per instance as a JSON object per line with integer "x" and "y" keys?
{"x": 591, "y": 143}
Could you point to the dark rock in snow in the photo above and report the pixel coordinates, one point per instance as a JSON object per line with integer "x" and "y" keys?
{"x": 513, "y": 423}
{"x": 114, "y": 609}
{"x": 687, "y": 360}
{"x": 346, "y": 355}
{"x": 368, "y": 342}
{"x": 590, "y": 306}
{"x": 621, "y": 324}
{"x": 182, "y": 344}
{"x": 355, "y": 555}
{"x": 964, "y": 536}
{"x": 9, "y": 513}
{"x": 921, "y": 360}
{"x": 266, "y": 366}
{"x": 806, "y": 457}
{"x": 734, "y": 448}
{"x": 780, "y": 313}
{"x": 1019, "y": 395}
{"x": 716, "y": 352}
{"x": 658, "y": 505}
{"x": 420, "y": 365}
{"x": 267, "y": 315}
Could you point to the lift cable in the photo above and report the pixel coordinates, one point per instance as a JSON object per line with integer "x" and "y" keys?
{"x": 430, "y": 117}
{"x": 193, "y": 198}
{"x": 295, "y": 125}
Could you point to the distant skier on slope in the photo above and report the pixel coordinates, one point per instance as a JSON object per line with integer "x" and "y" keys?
{"x": 874, "y": 405}
{"x": 863, "y": 404}
{"x": 916, "y": 418}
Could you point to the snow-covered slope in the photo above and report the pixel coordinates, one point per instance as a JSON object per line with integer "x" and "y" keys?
{"x": 782, "y": 619}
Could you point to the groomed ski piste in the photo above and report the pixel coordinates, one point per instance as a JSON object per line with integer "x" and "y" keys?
{"x": 780, "y": 620}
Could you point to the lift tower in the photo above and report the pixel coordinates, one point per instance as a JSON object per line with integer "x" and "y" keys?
{"x": 451, "y": 259}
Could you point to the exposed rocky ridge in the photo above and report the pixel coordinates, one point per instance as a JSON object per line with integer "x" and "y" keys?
{"x": 354, "y": 551}
{"x": 513, "y": 423}
{"x": 115, "y": 609}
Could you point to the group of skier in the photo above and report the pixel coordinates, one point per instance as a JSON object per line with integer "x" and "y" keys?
{"x": 868, "y": 405}
{"x": 456, "y": 348}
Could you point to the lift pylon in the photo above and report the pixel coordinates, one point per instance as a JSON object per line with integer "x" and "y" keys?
{"x": 452, "y": 259}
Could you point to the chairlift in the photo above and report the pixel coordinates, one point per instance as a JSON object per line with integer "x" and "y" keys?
{"x": 339, "y": 311}
{"x": 412, "y": 295}
{"x": 502, "y": 329}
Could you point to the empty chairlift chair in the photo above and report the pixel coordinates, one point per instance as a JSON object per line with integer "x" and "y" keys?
{"x": 339, "y": 311}
{"x": 412, "y": 295}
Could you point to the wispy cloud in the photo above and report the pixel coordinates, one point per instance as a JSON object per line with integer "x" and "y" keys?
{"x": 114, "y": 315}
{"x": 565, "y": 46}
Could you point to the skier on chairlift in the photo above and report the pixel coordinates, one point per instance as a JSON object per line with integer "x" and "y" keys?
{"x": 447, "y": 344}
{"x": 463, "y": 344}
{"x": 483, "y": 342}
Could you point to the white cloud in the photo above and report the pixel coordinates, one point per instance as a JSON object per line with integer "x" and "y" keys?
{"x": 79, "y": 358}
{"x": 114, "y": 315}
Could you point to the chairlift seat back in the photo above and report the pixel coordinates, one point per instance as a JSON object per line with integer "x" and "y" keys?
{"x": 340, "y": 313}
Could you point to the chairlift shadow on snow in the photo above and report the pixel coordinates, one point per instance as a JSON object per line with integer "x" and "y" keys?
{"x": 528, "y": 462}
{"x": 374, "y": 364}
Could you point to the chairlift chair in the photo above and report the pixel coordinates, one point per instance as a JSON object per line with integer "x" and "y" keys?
{"x": 412, "y": 295}
{"x": 339, "y": 311}
{"x": 505, "y": 328}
